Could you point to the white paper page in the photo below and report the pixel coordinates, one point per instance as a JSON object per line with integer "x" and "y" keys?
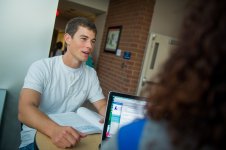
{"x": 74, "y": 120}
{"x": 91, "y": 116}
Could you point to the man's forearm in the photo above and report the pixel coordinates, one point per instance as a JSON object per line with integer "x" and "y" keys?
{"x": 34, "y": 118}
{"x": 101, "y": 106}
{"x": 102, "y": 110}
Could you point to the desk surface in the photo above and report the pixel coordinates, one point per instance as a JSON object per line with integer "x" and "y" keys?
{"x": 91, "y": 142}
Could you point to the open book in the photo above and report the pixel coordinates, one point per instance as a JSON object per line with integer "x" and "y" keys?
{"x": 85, "y": 120}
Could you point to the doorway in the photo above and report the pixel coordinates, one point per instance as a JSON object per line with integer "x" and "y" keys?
{"x": 158, "y": 50}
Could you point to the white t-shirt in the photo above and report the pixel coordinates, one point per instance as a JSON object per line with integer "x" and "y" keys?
{"x": 63, "y": 89}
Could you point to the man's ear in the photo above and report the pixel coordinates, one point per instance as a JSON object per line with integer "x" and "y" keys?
{"x": 67, "y": 38}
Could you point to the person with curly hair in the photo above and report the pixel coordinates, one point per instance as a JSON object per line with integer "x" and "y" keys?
{"x": 187, "y": 108}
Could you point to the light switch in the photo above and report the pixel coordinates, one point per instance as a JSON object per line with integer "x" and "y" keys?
{"x": 118, "y": 52}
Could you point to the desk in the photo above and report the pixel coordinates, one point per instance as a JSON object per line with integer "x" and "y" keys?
{"x": 91, "y": 142}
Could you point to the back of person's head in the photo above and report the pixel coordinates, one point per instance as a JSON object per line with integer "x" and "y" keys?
{"x": 59, "y": 45}
{"x": 73, "y": 25}
{"x": 191, "y": 92}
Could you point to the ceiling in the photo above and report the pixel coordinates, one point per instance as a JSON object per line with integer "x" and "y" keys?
{"x": 68, "y": 9}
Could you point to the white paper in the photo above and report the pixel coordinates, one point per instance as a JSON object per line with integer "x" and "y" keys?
{"x": 91, "y": 117}
{"x": 79, "y": 120}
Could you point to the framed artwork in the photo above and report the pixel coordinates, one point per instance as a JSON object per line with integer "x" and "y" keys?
{"x": 112, "y": 39}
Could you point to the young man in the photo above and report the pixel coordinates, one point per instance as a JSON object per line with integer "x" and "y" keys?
{"x": 60, "y": 84}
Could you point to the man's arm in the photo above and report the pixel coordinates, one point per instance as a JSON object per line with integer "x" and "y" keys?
{"x": 30, "y": 115}
{"x": 100, "y": 105}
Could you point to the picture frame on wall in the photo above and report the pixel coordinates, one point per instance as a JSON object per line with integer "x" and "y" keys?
{"x": 112, "y": 39}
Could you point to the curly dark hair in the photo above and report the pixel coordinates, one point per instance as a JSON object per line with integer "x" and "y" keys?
{"x": 191, "y": 92}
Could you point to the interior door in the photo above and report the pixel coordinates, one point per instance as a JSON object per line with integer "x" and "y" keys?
{"x": 157, "y": 52}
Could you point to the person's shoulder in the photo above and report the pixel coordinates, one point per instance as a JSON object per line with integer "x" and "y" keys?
{"x": 160, "y": 136}
{"x": 137, "y": 124}
{"x": 157, "y": 123}
{"x": 134, "y": 131}
{"x": 145, "y": 123}
{"x": 133, "y": 128}
{"x": 45, "y": 62}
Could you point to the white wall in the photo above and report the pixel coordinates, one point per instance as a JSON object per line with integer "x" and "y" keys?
{"x": 167, "y": 17}
{"x": 26, "y": 30}
{"x": 100, "y": 24}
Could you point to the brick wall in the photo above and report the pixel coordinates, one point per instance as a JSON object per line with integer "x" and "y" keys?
{"x": 116, "y": 73}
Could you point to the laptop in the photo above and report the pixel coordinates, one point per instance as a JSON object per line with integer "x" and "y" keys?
{"x": 122, "y": 109}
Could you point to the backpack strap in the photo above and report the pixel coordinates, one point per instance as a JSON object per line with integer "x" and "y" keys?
{"x": 129, "y": 135}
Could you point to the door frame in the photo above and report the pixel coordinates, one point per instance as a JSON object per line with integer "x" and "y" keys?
{"x": 147, "y": 52}
{"x": 172, "y": 41}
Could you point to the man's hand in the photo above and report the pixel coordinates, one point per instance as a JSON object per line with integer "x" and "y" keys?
{"x": 66, "y": 137}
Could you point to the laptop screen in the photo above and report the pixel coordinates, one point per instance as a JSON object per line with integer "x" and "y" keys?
{"x": 121, "y": 110}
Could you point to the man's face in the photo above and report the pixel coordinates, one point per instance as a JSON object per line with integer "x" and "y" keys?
{"x": 81, "y": 44}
